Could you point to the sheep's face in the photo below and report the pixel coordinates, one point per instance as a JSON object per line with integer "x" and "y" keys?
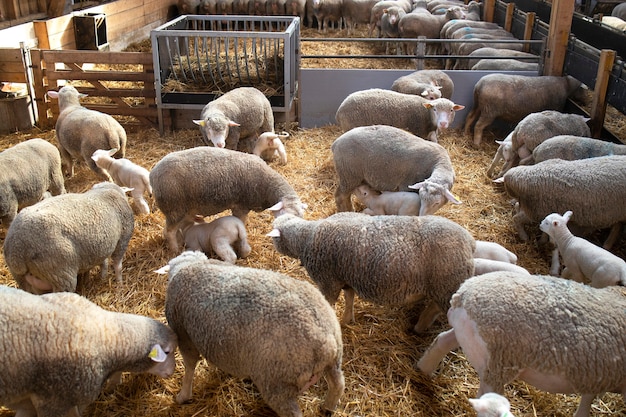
{"x": 161, "y": 354}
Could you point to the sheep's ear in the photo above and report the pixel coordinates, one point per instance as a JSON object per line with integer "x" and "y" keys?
{"x": 500, "y": 142}
{"x": 417, "y": 185}
{"x": 163, "y": 270}
{"x": 200, "y": 122}
{"x": 478, "y": 404}
{"x": 274, "y": 233}
{"x": 567, "y": 215}
{"x": 127, "y": 189}
{"x": 113, "y": 151}
{"x": 499, "y": 180}
{"x": 233, "y": 124}
{"x": 276, "y": 207}
{"x": 458, "y": 107}
{"x": 53, "y": 94}
{"x": 451, "y": 197}
{"x": 427, "y": 105}
{"x": 157, "y": 354}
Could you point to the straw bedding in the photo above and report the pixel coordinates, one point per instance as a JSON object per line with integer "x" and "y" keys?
{"x": 379, "y": 350}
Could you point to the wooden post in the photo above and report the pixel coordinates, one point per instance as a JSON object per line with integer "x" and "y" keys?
{"x": 528, "y": 29}
{"x": 508, "y": 21}
{"x": 598, "y": 105}
{"x": 558, "y": 36}
{"x": 489, "y": 9}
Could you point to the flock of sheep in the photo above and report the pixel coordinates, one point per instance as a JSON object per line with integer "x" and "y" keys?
{"x": 562, "y": 333}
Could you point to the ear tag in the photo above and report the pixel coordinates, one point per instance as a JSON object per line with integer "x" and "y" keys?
{"x": 157, "y": 354}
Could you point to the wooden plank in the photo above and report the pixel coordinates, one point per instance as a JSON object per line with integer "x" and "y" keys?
{"x": 598, "y": 105}
{"x": 558, "y": 36}
{"x": 13, "y": 77}
{"x": 41, "y": 31}
{"x": 56, "y": 8}
{"x": 97, "y": 76}
{"x": 15, "y": 67}
{"x": 13, "y": 9}
{"x": 96, "y": 57}
{"x": 489, "y": 10}
{"x": 119, "y": 92}
{"x": 40, "y": 86}
{"x": 528, "y": 29}
{"x": 11, "y": 54}
{"x": 508, "y": 20}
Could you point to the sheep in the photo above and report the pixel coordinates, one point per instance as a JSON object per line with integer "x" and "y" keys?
{"x": 480, "y": 54}
{"x": 27, "y": 171}
{"x": 505, "y": 65}
{"x": 220, "y": 237}
{"x": 207, "y": 180}
{"x": 483, "y": 266}
{"x": 188, "y": 6}
{"x": 60, "y": 349}
{"x": 296, "y": 8}
{"x": 614, "y": 22}
{"x": 234, "y": 119}
{"x": 491, "y": 311}
{"x": 414, "y": 25}
{"x": 126, "y": 174}
{"x": 619, "y": 11}
{"x": 378, "y": 10}
{"x": 391, "y": 159}
{"x": 276, "y": 7}
{"x": 491, "y": 404}
{"x": 582, "y": 259}
{"x": 494, "y": 251}
{"x": 81, "y": 131}
{"x": 512, "y": 97}
{"x": 389, "y": 29}
{"x": 422, "y": 117}
{"x": 430, "y": 84}
{"x": 594, "y": 189}
{"x": 242, "y": 7}
{"x": 51, "y": 242}
{"x": 537, "y": 127}
{"x": 403, "y": 203}
{"x": 269, "y": 146}
{"x": 504, "y": 153}
{"x": 356, "y": 12}
{"x": 327, "y": 11}
{"x": 383, "y": 259}
{"x": 276, "y": 330}
{"x": 571, "y": 147}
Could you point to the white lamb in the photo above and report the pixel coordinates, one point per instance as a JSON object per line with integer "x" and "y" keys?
{"x": 491, "y": 404}
{"x": 126, "y": 174}
{"x": 404, "y": 203}
{"x": 219, "y": 237}
{"x": 269, "y": 146}
{"x": 583, "y": 259}
{"x": 494, "y": 251}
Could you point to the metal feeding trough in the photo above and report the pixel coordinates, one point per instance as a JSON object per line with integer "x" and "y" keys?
{"x": 198, "y": 58}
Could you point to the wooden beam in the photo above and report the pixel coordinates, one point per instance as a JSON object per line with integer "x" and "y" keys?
{"x": 528, "y": 29}
{"x": 489, "y": 10}
{"x": 558, "y": 36}
{"x": 508, "y": 21}
{"x": 58, "y": 7}
{"x": 598, "y": 105}
{"x": 12, "y": 10}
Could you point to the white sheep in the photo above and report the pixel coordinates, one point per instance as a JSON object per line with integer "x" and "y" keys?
{"x": 235, "y": 118}
{"x": 491, "y": 404}
{"x": 126, "y": 174}
{"x": 219, "y": 236}
{"x": 512, "y": 97}
{"x": 494, "y": 251}
{"x": 51, "y": 242}
{"x": 555, "y": 334}
{"x": 496, "y": 52}
{"x": 430, "y": 84}
{"x": 28, "y": 171}
{"x": 537, "y": 127}
{"x": 422, "y": 117}
{"x": 414, "y": 25}
{"x": 571, "y": 147}
{"x": 483, "y": 266}
{"x": 383, "y": 259}
{"x": 582, "y": 259}
{"x": 389, "y": 159}
{"x": 60, "y": 349}
{"x": 207, "y": 180}
{"x": 504, "y": 153}
{"x": 269, "y": 146}
{"x": 594, "y": 189}
{"x": 276, "y": 330}
{"x": 404, "y": 203}
{"x": 81, "y": 131}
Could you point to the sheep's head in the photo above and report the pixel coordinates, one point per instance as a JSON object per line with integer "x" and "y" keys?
{"x": 433, "y": 196}
{"x": 216, "y": 127}
{"x": 554, "y": 222}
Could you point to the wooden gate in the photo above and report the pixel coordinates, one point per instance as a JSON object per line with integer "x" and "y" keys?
{"x": 117, "y": 83}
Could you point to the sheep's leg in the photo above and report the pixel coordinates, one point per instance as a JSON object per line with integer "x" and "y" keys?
{"x": 336, "y": 386}
{"x": 343, "y": 200}
{"x": 244, "y": 248}
{"x": 470, "y": 119}
{"x": 614, "y": 234}
{"x": 104, "y": 269}
{"x": 113, "y": 381}
{"x": 496, "y": 160}
{"x": 519, "y": 221}
{"x": 443, "y": 343}
{"x": 191, "y": 356}
{"x": 67, "y": 162}
{"x": 222, "y": 248}
{"x": 555, "y": 265}
{"x": 142, "y": 205}
{"x": 427, "y": 317}
{"x": 117, "y": 267}
{"x": 348, "y": 312}
{"x": 584, "y": 407}
{"x": 240, "y": 213}
{"x": 481, "y": 124}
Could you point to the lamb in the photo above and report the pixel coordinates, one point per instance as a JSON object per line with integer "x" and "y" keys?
{"x": 126, "y": 174}
{"x": 494, "y": 251}
{"x": 60, "y": 349}
{"x": 537, "y": 127}
{"x": 594, "y": 189}
{"x": 81, "y": 131}
{"x": 269, "y": 146}
{"x": 573, "y": 315}
{"x": 430, "y": 84}
{"x": 390, "y": 159}
{"x": 491, "y": 404}
{"x": 422, "y": 117}
{"x": 383, "y": 259}
{"x": 582, "y": 259}
{"x": 484, "y": 266}
{"x": 27, "y": 171}
{"x": 614, "y": 22}
{"x": 571, "y": 147}
{"x": 239, "y": 115}
{"x": 51, "y": 242}
{"x": 512, "y": 97}
{"x": 403, "y": 203}
{"x": 207, "y": 180}
{"x": 504, "y": 153}
{"x": 278, "y": 331}
{"x": 220, "y": 236}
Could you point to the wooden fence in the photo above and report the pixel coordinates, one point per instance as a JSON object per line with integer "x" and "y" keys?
{"x": 117, "y": 83}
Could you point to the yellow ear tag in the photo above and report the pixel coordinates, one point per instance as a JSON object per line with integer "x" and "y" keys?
{"x": 157, "y": 354}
